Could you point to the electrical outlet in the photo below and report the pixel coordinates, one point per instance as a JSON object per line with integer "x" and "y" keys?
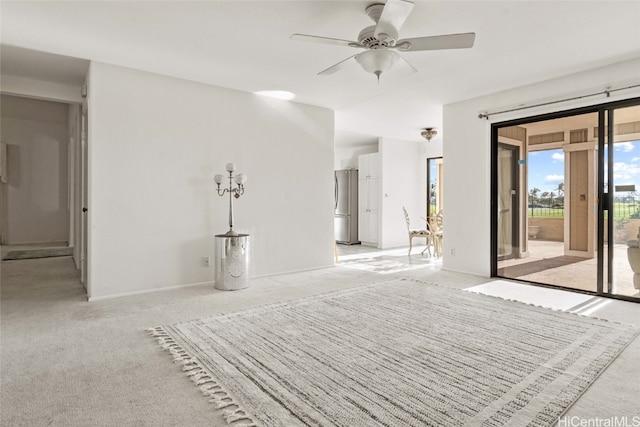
{"x": 453, "y": 252}
{"x": 206, "y": 261}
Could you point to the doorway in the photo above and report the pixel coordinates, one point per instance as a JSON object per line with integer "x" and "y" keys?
{"x": 36, "y": 180}
{"x": 435, "y": 195}
{"x": 40, "y": 179}
{"x": 574, "y": 218}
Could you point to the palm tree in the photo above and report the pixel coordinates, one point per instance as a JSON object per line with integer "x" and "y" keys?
{"x": 533, "y": 197}
{"x": 545, "y": 195}
{"x": 560, "y": 198}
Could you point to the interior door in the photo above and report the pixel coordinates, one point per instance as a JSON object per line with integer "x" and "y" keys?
{"x": 3, "y": 203}
{"x": 508, "y": 218}
{"x": 84, "y": 156}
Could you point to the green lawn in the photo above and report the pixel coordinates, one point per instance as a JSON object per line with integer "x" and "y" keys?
{"x": 545, "y": 213}
{"x": 622, "y": 211}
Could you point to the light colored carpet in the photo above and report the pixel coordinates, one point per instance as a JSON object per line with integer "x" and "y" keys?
{"x": 399, "y": 353}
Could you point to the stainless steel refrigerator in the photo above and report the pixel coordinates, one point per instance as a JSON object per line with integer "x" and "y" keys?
{"x": 346, "y": 206}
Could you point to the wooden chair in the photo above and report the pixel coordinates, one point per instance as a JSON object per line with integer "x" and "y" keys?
{"x": 426, "y": 234}
{"x": 434, "y": 224}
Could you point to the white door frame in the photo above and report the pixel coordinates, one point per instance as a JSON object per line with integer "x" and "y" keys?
{"x": 83, "y": 211}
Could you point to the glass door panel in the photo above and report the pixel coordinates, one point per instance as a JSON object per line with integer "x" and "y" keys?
{"x": 566, "y": 200}
{"x": 622, "y": 180}
{"x": 507, "y": 201}
{"x": 558, "y": 213}
{"x": 605, "y": 213}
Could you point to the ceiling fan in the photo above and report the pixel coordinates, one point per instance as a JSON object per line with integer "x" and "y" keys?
{"x": 381, "y": 41}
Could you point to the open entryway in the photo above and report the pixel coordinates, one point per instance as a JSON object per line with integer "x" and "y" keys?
{"x": 42, "y": 180}
{"x": 566, "y": 200}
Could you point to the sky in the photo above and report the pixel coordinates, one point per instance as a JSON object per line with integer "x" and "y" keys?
{"x": 546, "y": 168}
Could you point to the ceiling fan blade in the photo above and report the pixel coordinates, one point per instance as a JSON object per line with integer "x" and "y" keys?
{"x": 446, "y": 41}
{"x": 393, "y": 16}
{"x": 337, "y": 67}
{"x": 325, "y": 40}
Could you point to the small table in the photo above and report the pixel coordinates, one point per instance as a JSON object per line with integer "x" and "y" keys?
{"x": 232, "y": 262}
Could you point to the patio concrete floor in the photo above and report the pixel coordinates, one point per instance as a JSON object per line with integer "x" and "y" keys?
{"x": 547, "y": 264}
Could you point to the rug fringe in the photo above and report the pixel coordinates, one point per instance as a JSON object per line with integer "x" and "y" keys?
{"x": 201, "y": 378}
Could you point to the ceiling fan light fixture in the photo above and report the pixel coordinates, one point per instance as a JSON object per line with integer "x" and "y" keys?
{"x": 428, "y": 133}
{"x": 377, "y": 61}
{"x": 382, "y": 40}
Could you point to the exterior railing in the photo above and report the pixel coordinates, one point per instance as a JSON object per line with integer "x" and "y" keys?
{"x": 625, "y": 207}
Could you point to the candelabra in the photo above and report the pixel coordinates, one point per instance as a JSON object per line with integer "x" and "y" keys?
{"x": 240, "y": 179}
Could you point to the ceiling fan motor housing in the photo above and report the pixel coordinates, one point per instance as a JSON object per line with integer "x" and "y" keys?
{"x": 374, "y": 11}
{"x": 367, "y": 38}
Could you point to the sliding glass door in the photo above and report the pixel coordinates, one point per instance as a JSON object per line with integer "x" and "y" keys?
{"x": 507, "y": 201}
{"x": 566, "y": 199}
{"x": 620, "y": 213}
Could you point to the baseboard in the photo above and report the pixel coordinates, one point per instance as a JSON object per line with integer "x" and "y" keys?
{"x": 147, "y": 291}
{"x": 47, "y": 243}
{"x": 455, "y": 270}
{"x": 171, "y": 288}
{"x": 302, "y": 270}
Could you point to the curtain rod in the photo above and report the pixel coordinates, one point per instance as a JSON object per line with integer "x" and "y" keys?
{"x": 606, "y": 92}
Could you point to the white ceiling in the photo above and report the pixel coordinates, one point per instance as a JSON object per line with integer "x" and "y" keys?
{"x": 245, "y": 45}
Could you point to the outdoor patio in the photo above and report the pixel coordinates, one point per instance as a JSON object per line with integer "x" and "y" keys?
{"x": 547, "y": 264}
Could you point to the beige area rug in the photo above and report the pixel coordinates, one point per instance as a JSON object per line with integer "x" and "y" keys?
{"x": 398, "y": 353}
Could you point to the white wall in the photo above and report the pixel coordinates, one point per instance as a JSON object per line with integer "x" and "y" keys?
{"x": 404, "y": 183}
{"x": 155, "y": 144}
{"x": 349, "y": 145}
{"x": 37, "y": 189}
{"x": 467, "y": 146}
{"x": 347, "y": 157}
{"x": 433, "y": 148}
